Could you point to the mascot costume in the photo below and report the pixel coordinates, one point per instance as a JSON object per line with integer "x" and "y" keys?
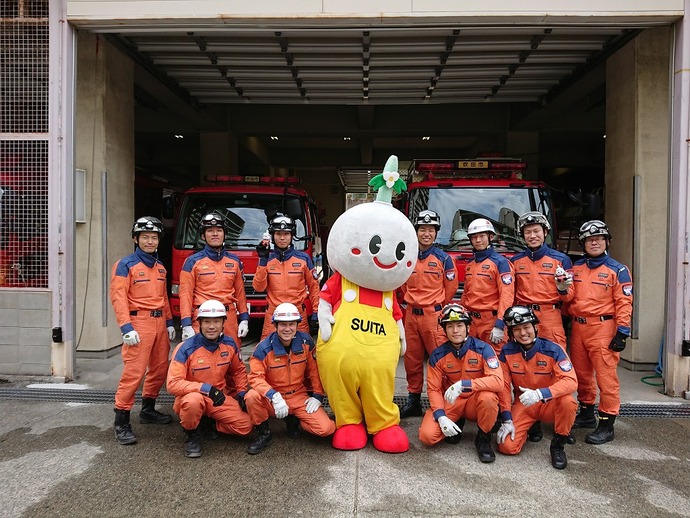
{"x": 372, "y": 249}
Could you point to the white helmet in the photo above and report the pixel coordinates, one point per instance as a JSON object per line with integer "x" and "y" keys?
{"x": 211, "y": 309}
{"x": 286, "y": 312}
{"x": 480, "y": 225}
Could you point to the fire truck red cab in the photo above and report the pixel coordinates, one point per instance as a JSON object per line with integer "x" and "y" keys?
{"x": 247, "y": 203}
{"x": 465, "y": 189}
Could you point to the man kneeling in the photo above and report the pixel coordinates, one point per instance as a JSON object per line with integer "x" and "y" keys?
{"x": 463, "y": 381}
{"x": 197, "y": 378}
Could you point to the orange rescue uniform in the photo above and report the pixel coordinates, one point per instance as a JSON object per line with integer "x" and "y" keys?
{"x": 431, "y": 286}
{"x": 274, "y": 368}
{"x": 196, "y": 365}
{"x": 212, "y": 275}
{"x": 140, "y": 299}
{"x": 546, "y": 367}
{"x": 535, "y": 287}
{"x": 474, "y": 364}
{"x": 601, "y": 304}
{"x": 488, "y": 292}
{"x": 287, "y": 276}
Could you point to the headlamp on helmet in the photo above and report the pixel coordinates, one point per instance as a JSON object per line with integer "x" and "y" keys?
{"x": 147, "y": 224}
{"x": 211, "y": 220}
{"x": 518, "y": 315}
{"x": 282, "y": 223}
{"x": 533, "y": 218}
{"x": 594, "y": 227}
{"x": 454, "y": 313}
{"x": 428, "y": 217}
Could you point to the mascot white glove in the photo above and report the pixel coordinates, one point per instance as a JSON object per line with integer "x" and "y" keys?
{"x": 507, "y": 428}
{"x": 496, "y": 335}
{"x": 448, "y": 427}
{"x": 279, "y": 405}
{"x": 312, "y": 405}
{"x": 171, "y": 333}
{"x": 530, "y": 397}
{"x": 403, "y": 340}
{"x": 187, "y": 332}
{"x": 243, "y": 328}
{"x": 326, "y": 320}
{"x": 131, "y": 338}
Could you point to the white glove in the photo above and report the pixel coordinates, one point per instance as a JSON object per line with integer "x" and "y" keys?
{"x": 448, "y": 427}
{"x": 326, "y": 320}
{"x": 243, "y": 328}
{"x": 187, "y": 332}
{"x": 131, "y": 338}
{"x": 403, "y": 340}
{"x": 171, "y": 333}
{"x": 496, "y": 335}
{"x": 312, "y": 404}
{"x": 279, "y": 405}
{"x": 563, "y": 279}
{"x": 530, "y": 397}
{"x": 507, "y": 428}
{"x": 453, "y": 392}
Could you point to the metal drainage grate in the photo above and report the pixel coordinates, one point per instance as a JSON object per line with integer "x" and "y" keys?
{"x": 674, "y": 410}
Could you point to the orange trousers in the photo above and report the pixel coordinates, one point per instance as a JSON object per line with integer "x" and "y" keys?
{"x": 551, "y": 324}
{"x": 229, "y": 416}
{"x": 423, "y": 334}
{"x": 481, "y": 328}
{"x": 591, "y": 357}
{"x": 148, "y": 359}
{"x": 559, "y": 411}
{"x": 260, "y": 408}
{"x": 480, "y": 407}
{"x": 269, "y": 327}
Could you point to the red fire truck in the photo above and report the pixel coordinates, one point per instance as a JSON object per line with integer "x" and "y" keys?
{"x": 247, "y": 203}
{"x": 466, "y": 189}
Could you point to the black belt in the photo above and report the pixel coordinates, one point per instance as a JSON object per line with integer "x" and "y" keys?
{"x": 291, "y": 392}
{"x": 155, "y": 313}
{"x": 420, "y": 311}
{"x": 583, "y": 320}
{"x": 478, "y": 314}
{"x": 538, "y": 307}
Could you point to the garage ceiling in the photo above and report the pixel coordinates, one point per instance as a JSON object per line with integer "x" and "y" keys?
{"x": 380, "y": 66}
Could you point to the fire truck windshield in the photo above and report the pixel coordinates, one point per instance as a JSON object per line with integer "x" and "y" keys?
{"x": 246, "y": 217}
{"x": 500, "y": 205}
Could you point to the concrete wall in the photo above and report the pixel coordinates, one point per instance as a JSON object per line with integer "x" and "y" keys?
{"x": 637, "y": 130}
{"x": 104, "y": 144}
{"x": 25, "y": 332}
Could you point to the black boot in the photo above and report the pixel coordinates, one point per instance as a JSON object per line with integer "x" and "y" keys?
{"x": 558, "y": 458}
{"x": 483, "y": 444}
{"x": 192, "y": 443}
{"x": 534, "y": 434}
{"x": 455, "y": 439}
{"x": 585, "y": 417}
{"x": 292, "y": 424}
{"x": 149, "y": 415}
{"x": 123, "y": 430}
{"x": 604, "y": 431}
{"x": 263, "y": 439}
{"x": 413, "y": 406}
{"x": 208, "y": 428}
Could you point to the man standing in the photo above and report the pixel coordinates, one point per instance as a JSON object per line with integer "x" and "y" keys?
{"x": 601, "y": 306}
{"x": 197, "y": 378}
{"x": 285, "y": 274}
{"x": 140, "y": 299}
{"x": 213, "y": 273}
{"x": 463, "y": 381}
{"x": 542, "y": 380}
{"x": 432, "y": 285}
{"x": 489, "y": 288}
{"x": 278, "y": 369}
{"x": 535, "y": 271}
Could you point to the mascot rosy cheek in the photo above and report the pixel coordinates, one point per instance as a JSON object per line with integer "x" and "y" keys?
{"x": 372, "y": 249}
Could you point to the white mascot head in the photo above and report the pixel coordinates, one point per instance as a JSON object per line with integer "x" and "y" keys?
{"x": 373, "y": 244}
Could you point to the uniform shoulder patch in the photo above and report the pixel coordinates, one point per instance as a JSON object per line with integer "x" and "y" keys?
{"x": 450, "y": 275}
{"x": 627, "y": 289}
{"x": 492, "y": 362}
{"x": 565, "y": 365}
{"x": 507, "y": 278}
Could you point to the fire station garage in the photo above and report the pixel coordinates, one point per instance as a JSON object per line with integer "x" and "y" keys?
{"x": 149, "y": 98}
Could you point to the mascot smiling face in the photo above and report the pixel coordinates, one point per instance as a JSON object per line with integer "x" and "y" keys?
{"x": 374, "y": 246}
